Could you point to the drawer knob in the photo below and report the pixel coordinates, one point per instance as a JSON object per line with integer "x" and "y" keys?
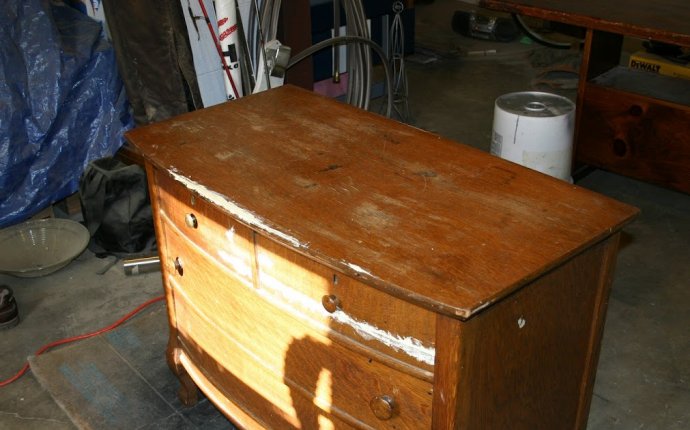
{"x": 636, "y": 110}
{"x": 383, "y": 407}
{"x": 331, "y": 303}
{"x": 178, "y": 266}
{"x": 191, "y": 221}
{"x": 620, "y": 147}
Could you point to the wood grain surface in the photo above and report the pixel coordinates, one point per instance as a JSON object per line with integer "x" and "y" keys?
{"x": 529, "y": 361}
{"x": 290, "y": 228}
{"x": 637, "y": 136}
{"x": 278, "y": 353}
{"x": 434, "y": 222}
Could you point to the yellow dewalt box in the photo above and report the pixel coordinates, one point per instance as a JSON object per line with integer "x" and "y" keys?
{"x": 656, "y": 64}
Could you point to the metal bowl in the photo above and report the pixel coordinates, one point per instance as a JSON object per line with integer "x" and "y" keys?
{"x": 37, "y": 248}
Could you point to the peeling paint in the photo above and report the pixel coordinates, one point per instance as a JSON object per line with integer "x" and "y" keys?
{"x": 358, "y": 269}
{"x": 230, "y": 206}
{"x": 408, "y": 345}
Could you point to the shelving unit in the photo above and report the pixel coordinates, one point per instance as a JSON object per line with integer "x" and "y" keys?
{"x": 633, "y": 123}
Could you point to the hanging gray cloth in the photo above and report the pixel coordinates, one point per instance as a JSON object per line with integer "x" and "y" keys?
{"x": 154, "y": 57}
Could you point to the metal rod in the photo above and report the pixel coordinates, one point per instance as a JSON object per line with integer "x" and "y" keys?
{"x": 136, "y": 266}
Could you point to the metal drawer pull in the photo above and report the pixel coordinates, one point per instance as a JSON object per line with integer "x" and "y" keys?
{"x": 331, "y": 303}
{"x": 383, "y": 407}
{"x": 178, "y": 266}
{"x": 191, "y": 221}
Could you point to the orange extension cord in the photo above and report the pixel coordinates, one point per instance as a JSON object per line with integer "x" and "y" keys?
{"x": 45, "y": 348}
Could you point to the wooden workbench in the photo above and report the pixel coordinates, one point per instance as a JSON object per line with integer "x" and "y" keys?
{"x": 629, "y": 122}
{"x": 327, "y": 267}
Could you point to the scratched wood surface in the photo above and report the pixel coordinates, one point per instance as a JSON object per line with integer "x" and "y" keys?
{"x": 663, "y": 20}
{"x": 434, "y": 222}
{"x": 280, "y": 354}
{"x": 286, "y": 277}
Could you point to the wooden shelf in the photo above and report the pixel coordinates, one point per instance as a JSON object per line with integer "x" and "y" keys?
{"x": 660, "y": 87}
{"x": 629, "y": 122}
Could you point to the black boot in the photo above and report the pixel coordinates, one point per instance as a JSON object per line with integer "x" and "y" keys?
{"x": 9, "y": 314}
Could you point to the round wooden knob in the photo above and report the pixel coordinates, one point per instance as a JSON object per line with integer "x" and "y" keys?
{"x": 620, "y": 147}
{"x": 383, "y": 407}
{"x": 636, "y": 110}
{"x": 331, "y": 303}
{"x": 191, "y": 221}
{"x": 178, "y": 266}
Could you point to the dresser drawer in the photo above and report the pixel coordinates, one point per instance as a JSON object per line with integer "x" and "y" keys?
{"x": 350, "y": 308}
{"x": 280, "y": 356}
{"x": 225, "y": 240}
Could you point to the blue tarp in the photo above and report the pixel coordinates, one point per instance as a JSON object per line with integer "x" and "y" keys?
{"x": 62, "y": 103}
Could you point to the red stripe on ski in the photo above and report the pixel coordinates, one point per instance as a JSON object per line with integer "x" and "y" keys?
{"x": 222, "y": 21}
{"x": 228, "y": 32}
{"x": 219, "y": 49}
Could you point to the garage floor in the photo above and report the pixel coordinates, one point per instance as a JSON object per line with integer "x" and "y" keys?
{"x": 643, "y": 378}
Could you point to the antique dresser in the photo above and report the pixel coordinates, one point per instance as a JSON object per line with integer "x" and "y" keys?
{"x": 326, "y": 267}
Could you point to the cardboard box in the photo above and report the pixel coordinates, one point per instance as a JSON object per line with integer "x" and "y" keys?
{"x": 656, "y": 64}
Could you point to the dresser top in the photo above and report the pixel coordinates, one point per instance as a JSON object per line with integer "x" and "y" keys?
{"x": 435, "y": 222}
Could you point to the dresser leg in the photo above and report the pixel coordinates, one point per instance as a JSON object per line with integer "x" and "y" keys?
{"x": 188, "y": 392}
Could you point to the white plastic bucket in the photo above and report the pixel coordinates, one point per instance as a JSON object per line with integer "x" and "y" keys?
{"x": 535, "y": 130}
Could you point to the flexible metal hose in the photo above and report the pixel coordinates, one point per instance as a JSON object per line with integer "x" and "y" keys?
{"x": 351, "y": 39}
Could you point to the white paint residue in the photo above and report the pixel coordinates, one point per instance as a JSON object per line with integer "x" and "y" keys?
{"x": 408, "y": 345}
{"x": 357, "y": 268}
{"x": 230, "y": 235}
{"x": 239, "y": 266}
{"x": 242, "y": 214}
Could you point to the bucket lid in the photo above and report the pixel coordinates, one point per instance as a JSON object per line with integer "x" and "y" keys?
{"x": 535, "y": 104}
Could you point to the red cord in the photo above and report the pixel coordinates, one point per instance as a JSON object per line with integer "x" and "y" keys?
{"x": 45, "y": 348}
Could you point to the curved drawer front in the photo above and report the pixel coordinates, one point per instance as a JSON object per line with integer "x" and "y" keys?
{"x": 350, "y": 308}
{"x": 229, "y": 242}
{"x": 281, "y": 356}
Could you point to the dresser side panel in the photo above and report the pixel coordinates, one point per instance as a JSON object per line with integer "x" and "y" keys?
{"x": 528, "y": 362}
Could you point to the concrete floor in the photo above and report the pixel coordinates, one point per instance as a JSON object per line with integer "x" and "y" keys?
{"x": 643, "y": 378}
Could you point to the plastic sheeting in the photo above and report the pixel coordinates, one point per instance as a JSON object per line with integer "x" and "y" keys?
{"x": 62, "y": 103}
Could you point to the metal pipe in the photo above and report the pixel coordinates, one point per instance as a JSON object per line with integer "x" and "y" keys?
{"x": 136, "y": 266}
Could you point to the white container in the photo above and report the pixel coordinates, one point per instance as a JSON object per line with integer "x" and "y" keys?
{"x": 535, "y": 130}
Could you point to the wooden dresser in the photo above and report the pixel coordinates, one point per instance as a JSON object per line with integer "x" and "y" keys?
{"x": 328, "y": 268}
